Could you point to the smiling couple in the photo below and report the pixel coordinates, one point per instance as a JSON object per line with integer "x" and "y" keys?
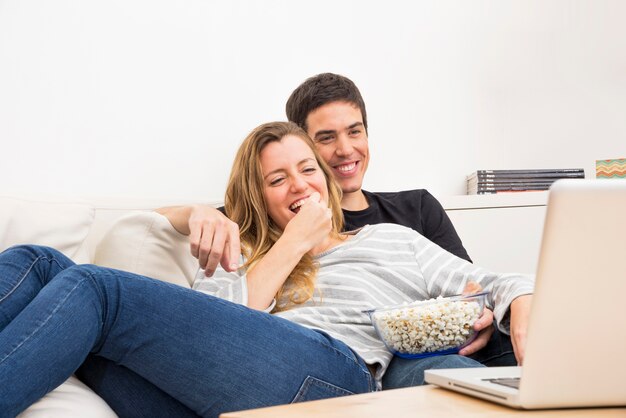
{"x": 330, "y": 109}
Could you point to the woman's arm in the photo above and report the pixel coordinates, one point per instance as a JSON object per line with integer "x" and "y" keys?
{"x": 213, "y": 238}
{"x": 311, "y": 225}
{"x": 258, "y": 287}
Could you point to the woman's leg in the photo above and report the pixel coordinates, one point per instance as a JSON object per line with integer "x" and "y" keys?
{"x": 129, "y": 394}
{"x": 210, "y": 354}
{"x": 24, "y": 271}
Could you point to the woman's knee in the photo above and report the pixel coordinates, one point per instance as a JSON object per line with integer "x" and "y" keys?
{"x": 102, "y": 280}
{"x": 29, "y": 253}
{"x": 83, "y": 272}
{"x": 33, "y": 251}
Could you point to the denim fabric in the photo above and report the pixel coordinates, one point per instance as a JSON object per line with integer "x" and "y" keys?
{"x": 403, "y": 372}
{"x": 498, "y": 351}
{"x": 208, "y": 354}
{"x": 410, "y": 372}
{"x": 129, "y": 394}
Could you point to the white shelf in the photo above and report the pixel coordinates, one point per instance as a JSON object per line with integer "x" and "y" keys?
{"x": 501, "y": 232}
{"x": 502, "y": 200}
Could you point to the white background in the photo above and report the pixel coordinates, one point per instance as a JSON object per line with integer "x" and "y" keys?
{"x": 151, "y": 98}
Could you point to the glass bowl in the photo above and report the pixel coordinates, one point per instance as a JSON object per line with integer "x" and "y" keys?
{"x": 427, "y": 328}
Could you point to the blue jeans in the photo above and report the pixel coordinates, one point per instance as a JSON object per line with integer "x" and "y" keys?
{"x": 194, "y": 353}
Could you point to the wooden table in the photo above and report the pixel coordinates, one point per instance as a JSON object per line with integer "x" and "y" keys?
{"x": 427, "y": 401}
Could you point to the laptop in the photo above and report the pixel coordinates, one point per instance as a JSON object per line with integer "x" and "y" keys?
{"x": 576, "y": 343}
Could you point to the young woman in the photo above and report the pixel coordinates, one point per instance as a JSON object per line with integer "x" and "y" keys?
{"x": 188, "y": 353}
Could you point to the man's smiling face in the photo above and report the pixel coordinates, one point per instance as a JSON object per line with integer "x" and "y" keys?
{"x": 340, "y": 137}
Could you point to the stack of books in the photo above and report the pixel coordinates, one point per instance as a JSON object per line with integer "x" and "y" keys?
{"x": 507, "y": 181}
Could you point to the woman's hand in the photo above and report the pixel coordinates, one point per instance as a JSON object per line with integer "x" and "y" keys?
{"x": 520, "y": 311}
{"x": 213, "y": 238}
{"x": 311, "y": 225}
{"x": 306, "y": 230}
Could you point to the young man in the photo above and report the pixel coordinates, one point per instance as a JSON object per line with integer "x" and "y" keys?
{"x": 329, "y": 107}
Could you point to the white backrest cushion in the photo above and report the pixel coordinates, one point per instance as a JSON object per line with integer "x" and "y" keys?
{"x": 73, "y": 399}
{"x": 63, "y": 225}
{"x": 144, "y": 242}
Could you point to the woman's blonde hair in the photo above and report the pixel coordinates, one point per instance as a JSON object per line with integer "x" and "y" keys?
{"x": 245, "y": 204}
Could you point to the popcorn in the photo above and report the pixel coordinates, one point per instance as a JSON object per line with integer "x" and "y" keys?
{"x": 429, "y": 326}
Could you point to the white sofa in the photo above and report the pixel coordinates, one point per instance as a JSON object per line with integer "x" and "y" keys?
{"x": 124, "y": 234}
{"x": 127, "y": 234}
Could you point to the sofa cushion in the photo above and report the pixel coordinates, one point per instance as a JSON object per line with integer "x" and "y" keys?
{"x": 144, "y": 242}
{"x": 59, "y": 224}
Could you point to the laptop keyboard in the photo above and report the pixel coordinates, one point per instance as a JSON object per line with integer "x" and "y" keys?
{"x": 512, "y": 382}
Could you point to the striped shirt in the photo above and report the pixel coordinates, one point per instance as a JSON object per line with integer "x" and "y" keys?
{"x": 381, "y": 265}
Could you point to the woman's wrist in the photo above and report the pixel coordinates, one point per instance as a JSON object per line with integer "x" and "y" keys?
{"x": 295, "y": 246}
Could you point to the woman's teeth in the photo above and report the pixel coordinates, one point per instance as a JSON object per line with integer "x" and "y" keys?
{"x": 295, "y": 207}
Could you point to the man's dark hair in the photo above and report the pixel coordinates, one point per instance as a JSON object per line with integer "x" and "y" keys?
{"x": 319, "y": 90}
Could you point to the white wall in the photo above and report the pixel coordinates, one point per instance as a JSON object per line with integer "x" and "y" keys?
{"x": 152, "y": 97}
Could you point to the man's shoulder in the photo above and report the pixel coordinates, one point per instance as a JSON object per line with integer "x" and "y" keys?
{"x": 413, "y": 197}
{"x": 395, "y": 195}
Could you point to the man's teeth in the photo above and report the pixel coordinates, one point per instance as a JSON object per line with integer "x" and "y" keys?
{"x": 346, "y": 167}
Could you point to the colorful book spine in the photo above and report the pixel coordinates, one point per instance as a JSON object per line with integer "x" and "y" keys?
{"x": 611, "y": 169}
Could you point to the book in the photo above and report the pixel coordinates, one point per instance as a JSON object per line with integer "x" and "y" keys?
{"x": 509, "y": 185}
{"x": 533, "y": 171}
{"x": 482, "y": 189}
{"x": 611, "y": 169}
{"x": 512, "y": 180}
{"x": 509, "y": 191}
{"x": 524, "y": 174}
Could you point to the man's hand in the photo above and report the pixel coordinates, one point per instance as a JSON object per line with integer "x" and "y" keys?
{"x": 520, "y": 311}
{"x": 483, "y": 325}
{"x": 213, "y": 238}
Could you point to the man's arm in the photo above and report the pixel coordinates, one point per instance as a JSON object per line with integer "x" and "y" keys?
{"x": 439, "y": 229}
{"x": 213, "y": 238}
{"x": 520, "y": 312}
